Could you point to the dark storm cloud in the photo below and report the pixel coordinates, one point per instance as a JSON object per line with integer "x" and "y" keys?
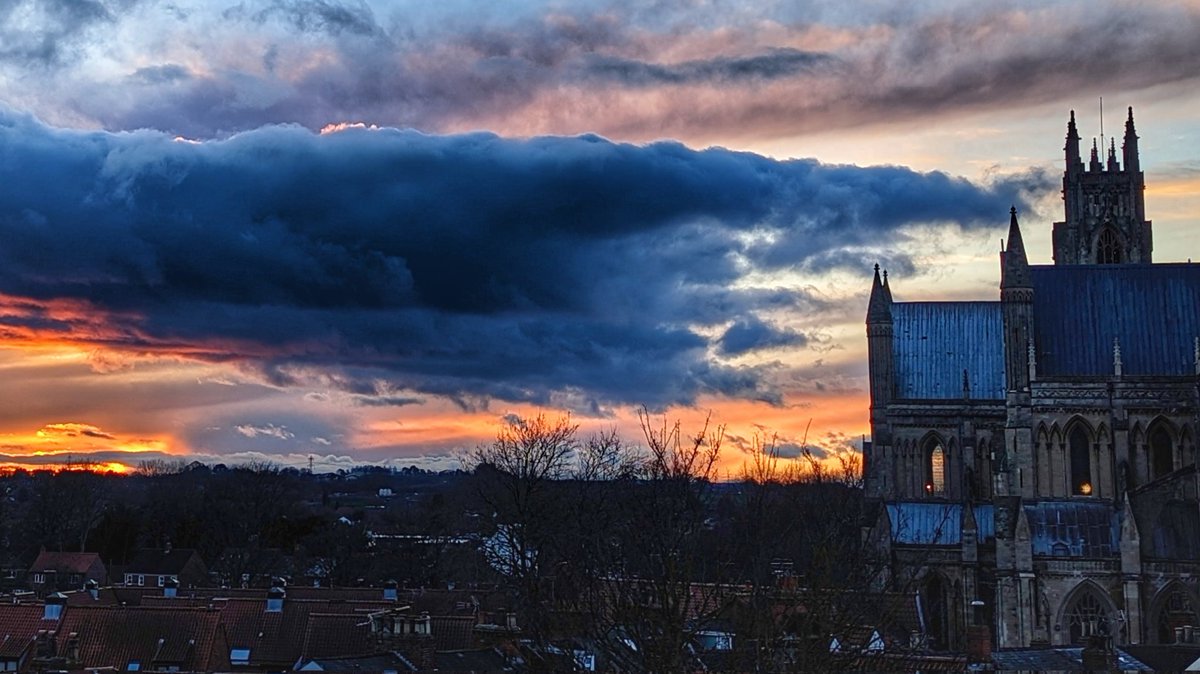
{"x": 752, "y": 334}
{"x": 472, "y": 266}
{"x": 774, "y": 64}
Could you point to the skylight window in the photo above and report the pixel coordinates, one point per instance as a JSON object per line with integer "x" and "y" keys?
{"x": 239, "y": 656}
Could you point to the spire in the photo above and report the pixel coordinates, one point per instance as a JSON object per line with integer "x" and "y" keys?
{"x": 887, "y": 288}
{"x": 1094, "y": 164}
{"x": 1116, "y": 357}
{"x": 1129, "y": 148}
{"x": 1014, "y": 264}
{"x": 1072, "y": 147}
{"x": 1112, "y": 155}
{"x": 879, "y": 307}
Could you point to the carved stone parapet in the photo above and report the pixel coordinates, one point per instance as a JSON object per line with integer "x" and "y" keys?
{"x": 1016, "y": 295}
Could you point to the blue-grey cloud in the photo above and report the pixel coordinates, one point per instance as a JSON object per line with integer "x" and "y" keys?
{"x": 390, "y": 263}
{"x": 602, "y": 66}
{"x": 752, "y": 333}
{"x": 772, "y": 65}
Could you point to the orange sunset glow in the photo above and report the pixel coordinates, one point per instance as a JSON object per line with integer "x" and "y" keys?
{"x": 274, "y": 238}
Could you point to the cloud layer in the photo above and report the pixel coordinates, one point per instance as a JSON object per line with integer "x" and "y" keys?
{"x": 391, "y": 264}
{"x": 208, "y": 69}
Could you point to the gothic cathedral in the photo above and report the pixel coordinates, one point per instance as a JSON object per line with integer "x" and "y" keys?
{"x": 1037, "y": 453}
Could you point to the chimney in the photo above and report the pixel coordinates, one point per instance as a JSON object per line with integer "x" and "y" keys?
{"x": 275, "y": 599}
{"x": 72, "y": 647}
{"x": 93, "y": 589}
{"x": 54, "y": 606}
{"x": 44, "y": 644}
{"x": 389, "y": 590}
{"x": 1189, "y": 634}
{"x": 171, "y": 587}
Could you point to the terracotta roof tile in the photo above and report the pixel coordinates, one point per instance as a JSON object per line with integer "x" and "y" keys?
{"x": 277, "y": 638}
{"x": 114, "y": 636}
{"x": 19, "y": 623}
{"x": 71, "y": 562}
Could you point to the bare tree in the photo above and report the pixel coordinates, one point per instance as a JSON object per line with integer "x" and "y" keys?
{"x": 519, "y": 477}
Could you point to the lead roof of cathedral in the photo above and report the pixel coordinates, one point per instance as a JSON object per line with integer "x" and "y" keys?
{"x": 937, "y": 523}
{"x": 934, "y": 342}
{"x": 1075, "y": 528}
{"x": 1176, "y": 533}
{"x": 1153, "y": 310}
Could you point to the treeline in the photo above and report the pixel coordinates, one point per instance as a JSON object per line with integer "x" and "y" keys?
{"x": 258, "y": 519}
{"x": 641, "y": 549}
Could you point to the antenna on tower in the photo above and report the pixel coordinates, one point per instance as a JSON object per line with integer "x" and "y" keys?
{"x": 310, "y": 458}
{"x": 1101, "y": 121}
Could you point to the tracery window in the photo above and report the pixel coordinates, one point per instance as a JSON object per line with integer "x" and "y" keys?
{"x": 1081, "y": 462}
{"x": 1087, "y": 617}
{"x": 1108, "y": 248}
{"x": 1161, "y": 454}
{"x": 1176, "y": 611}
{"x": 937, "y": 470}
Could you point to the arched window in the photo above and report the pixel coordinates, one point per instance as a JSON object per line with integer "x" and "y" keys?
{"x": 1087, "y": 616}
{"x": 1081, "y": 462}
{"x": 1108, "y": 248}
{"x": 1162, "y": 460}
{"x": 1176, "y": 611}
{"x": 937, "y": 470}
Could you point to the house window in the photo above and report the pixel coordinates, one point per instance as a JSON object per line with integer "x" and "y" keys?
{"x": 134, "y": 665}
{"x": 239, "y": 656}
{"x": 1081, "y": 462}
{"x": 1162, "y": 460}
{"x": 1108, "y": 248}
{"x": 39, "y": 578}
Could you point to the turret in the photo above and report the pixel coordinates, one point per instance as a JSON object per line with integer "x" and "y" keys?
{"x": 882, "y": 375}
{"x": 1129, "y": 148}
{"x": 1074, "y": 163}
{"x": 1016, "y": 297}
{"x": 1094, "y": 165}
{"x": 1112, "y": 155}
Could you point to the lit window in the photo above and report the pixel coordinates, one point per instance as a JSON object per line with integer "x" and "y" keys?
{"x": 134, "y": 665}
{"x": 239, "y": 656}
{"x": 1081, "y": 462}
{"x": 937, "y": 470}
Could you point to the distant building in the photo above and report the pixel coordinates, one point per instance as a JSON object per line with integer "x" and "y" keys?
{"x": 53, "y": 571}
{"x": 153, "y": 567}
{"x": 1038, "y": 452}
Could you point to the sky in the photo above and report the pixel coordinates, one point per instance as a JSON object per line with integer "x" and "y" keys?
{"x": 375, "y": 232}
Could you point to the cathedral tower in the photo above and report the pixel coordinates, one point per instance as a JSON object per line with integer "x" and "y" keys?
{"x": 1105, "y": 205}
